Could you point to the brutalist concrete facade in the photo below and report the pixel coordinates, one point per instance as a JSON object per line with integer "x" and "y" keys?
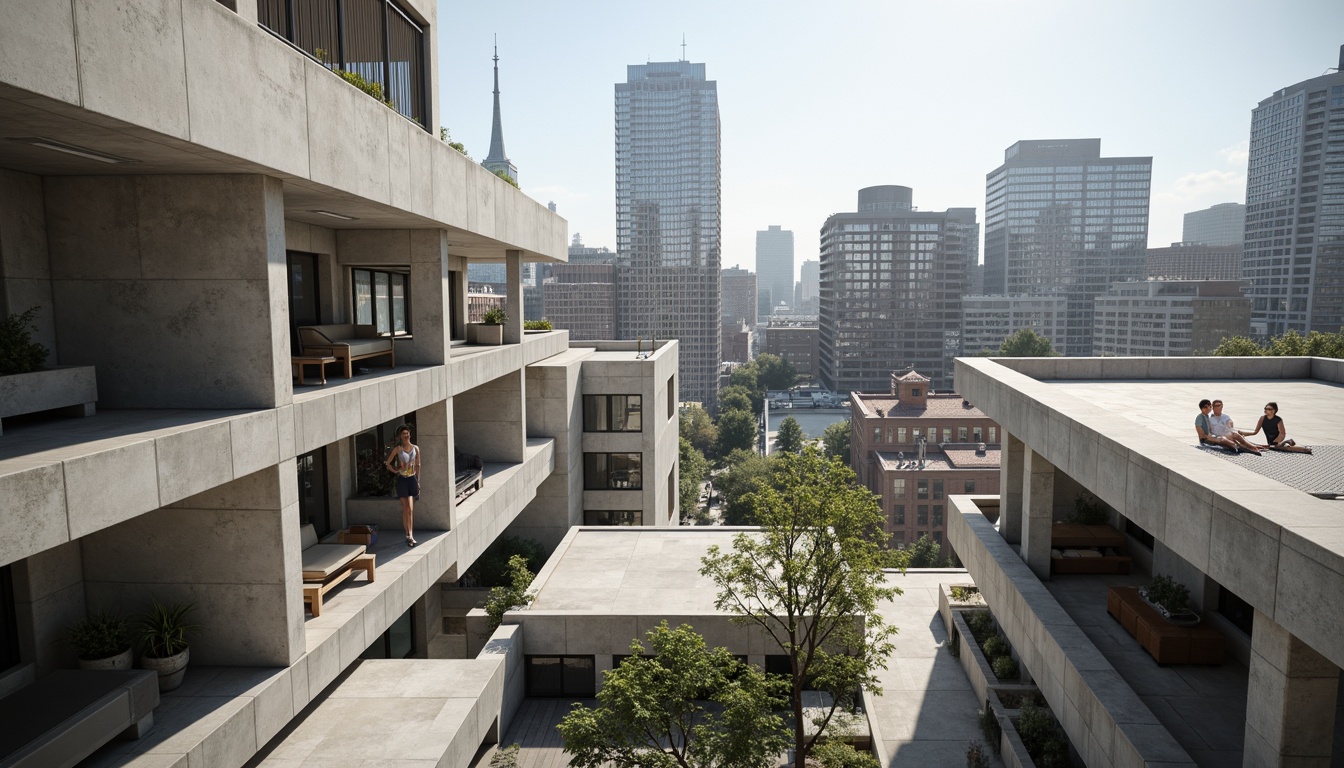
{"x": 166, "y": 170}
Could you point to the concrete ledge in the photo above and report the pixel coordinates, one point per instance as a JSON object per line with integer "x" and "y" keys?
{"x": 50, "y": 388}
{"x": 1103, "y": 717}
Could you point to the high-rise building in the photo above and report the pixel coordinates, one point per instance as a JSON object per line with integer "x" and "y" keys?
{"x": 1222, "y": 224}
{"x": 668, "y": 216}
{"x": 809, "y": 285}
{"x": 891, "y": 285}
{"x": 1169, "y": 318}
{"x": 739, "y": 296}
{"x": 774, "y": 265}
{"x": 1061, "y": 220}
{"x": 497, "y": 160}
{"x": 987, "y": 320}
{"x": 581, "y": 299}
{"x": 1195, "y": 261}
{"x": 583, "y": 254}
{"x": 1294, "y": 241}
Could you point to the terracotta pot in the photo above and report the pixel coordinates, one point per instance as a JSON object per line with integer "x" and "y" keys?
{"x": 171, "y": 669}
{"x": 120, "y": 661}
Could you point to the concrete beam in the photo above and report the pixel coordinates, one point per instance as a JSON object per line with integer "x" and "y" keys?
{"x": 1291, "y": 699}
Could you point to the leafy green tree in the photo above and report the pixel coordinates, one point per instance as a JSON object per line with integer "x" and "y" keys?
{"x": 737, "y": 431}
{"x": 744, "y": 376}
{"x": 491, "y": 569}
{"x": 925, "y": 553}
{"x": 734, "y": 398}
{"x": 694, "y": 467}
{"x": 1292, "y": 343}
{"x": 1027, "y": 343}
{"x": 807, "y": 578}
{"x": 774, "y": 372}
{"x": 512, "y": 595}
{"x": 789, "y": 438}
{"x": 747, "y": 472}
{"x": 836, "y": 440}
{"x": 696, "y": 425}
{"x": 1238, "y": 346}
{"x": 652, "y": 710}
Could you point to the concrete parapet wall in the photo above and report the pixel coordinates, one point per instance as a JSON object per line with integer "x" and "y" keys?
{"x": 1104, "y": 718}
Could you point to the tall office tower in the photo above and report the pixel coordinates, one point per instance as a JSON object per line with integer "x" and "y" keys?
{"x": 497, "y": 161}
{"x": 1194, "y": 261}
{"x": 1222, "y": 224}
{"x": 1294, "y": 242}
{"x": 668, "y": 216}
{"x": 581, "y": 299}
{"x": 809, "y": 285}
{"x": 739, "y": 296}
{"x": 1061, "y": 220}
{"x": 774, "y": 265}
{"x": 891, "y": 285}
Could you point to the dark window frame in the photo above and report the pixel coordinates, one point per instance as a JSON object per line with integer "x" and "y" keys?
{"x": 631, "y": 517}
{"x": 591, "y": 484}
{"x": 388, "y": 309}
{"x": 587, "y": 691}
{"x": 602, "y": 409}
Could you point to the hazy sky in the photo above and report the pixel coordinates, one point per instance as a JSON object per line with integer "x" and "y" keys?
{"x": 820, "y": 99}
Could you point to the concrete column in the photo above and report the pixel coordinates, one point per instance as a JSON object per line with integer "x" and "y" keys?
{"x": 434, "y": 434}
{"x": 1290, "y": 705}
{"x": 457, "y": 270}
{"x": 48, "y": 598}
{"x": 25, "y": 274}
{"x": 1038, "y": 512}
{"x": 513, "y": 303}
{"x": 431, "y": 306}
{"x": 1010, "y": 489}
{"x": 488, "y": 420}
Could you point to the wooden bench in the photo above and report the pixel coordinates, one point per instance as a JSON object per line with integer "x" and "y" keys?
{"x": 67, "y": 715}
{"x": 1077, "y": 536}
{"x": 1167, "y": 643}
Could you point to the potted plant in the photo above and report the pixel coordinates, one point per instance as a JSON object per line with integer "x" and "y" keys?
{"x": 490, "y": 331}
{"x": 163, "y": 641}
{"x": 1170, "y": 598}
{"x": 102, "y": 640}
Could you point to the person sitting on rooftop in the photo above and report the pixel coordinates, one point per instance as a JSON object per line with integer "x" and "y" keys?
{"x": 1221, "y": 426}
{"x": 1276, "y": 433}
{"x": 1204, "y": 430}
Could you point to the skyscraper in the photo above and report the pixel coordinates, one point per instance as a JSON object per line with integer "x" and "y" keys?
{"x": 668, "y": 215}
{"x": 497, "y": 161}
{"x": 1061, "y": 220}
{"x": 891, "y": 285}
{"x": 1221, "y": 224}
{"x": 1294, "y": 242}
{"x": 774, "y": 265}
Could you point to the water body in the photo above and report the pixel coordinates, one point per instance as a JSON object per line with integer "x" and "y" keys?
{"x": 814, "y": 421}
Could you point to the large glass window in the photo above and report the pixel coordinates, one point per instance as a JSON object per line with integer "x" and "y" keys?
{"x": 313, "y": 491}
{"x": 371, "y": 449}
{"x": 612, "y": 413}
{"x": 613, "y": 471}
{"x": 381, "y": 299}
{"x": 561, "y": 676}
{"x": 630, "y": 517}
{"x": 398, "y": 642}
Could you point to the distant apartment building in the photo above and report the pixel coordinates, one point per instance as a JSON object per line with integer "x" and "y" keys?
{"x": 1223, "y": 224}
{"x": 1294, "y": 236}
{"x": 1061, "y": 220}
{"x": 481, "y": 298}
{"x": 1194, "y": 261}
{"x": 668, "y": 217}
{"x": 891, "y": 285}
{"x": 987, "y": 320}
{"x": 739, "y": 296}
{"x": 809, "y": 286}
{"x": 794, "y": 341}
{"x": 581, "y": 299}
{"x": 774, "y": 266}
{"x": 738, "y": 339}
{"x": 914, "y": 449}
{"x": 1169, "y": 318}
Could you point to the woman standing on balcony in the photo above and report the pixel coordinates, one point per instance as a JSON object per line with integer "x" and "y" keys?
{"x": 404, "y": 460}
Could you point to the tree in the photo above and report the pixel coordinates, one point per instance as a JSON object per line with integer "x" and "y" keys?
{"x": 737, "y": 431}
{"x": 693, "y": 470}
{"x": 512, "y": 595}
{"x": 925, "y": 553}
{"x": 734, "y": 398}
{"x": 1027, "y": 343}
{"x": 774, "y": 372}
{"x": 696, "y": 425}
{"x": 652, "y": 710}
{"x": 747, "y": 472}
{"x": 491, "y": 569}
{"x": 789, "y": 438}
{"x": 1238, "y": 346}
{"x": 1292, "y": 344}
{"x": 836, "y": 440}
{"x": 811, "y": 579}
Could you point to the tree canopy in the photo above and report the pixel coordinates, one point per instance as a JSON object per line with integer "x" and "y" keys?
{"x": 652, "y": 710}
{"x": 511, "y": 595}
{"x": 1290, "y": 344}
{"x": 737, "y": 431}
{"x": 836, "y": 440}
{"x": 746, "y": 472}
{"x": 491, "y": 569}
{"x": 735, "y": 398}
{"x": 789, "y": 438}
{"x": 1027, "y": 343}
{"x": 694, "y": 467}
{"x": 925, "y": 553}
{"x": 696, "y": 425}
{"x": 812, "y": 579}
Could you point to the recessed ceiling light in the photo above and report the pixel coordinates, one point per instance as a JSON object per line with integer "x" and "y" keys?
{"x": 336, "y": 215}
{"x": 71, "y": 149}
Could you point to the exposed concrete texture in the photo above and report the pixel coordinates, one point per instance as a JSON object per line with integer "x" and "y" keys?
{"x": 141, "y": 43}
{"x": 48, "y": 599}
{"x": 25, "y": 275}
{"x": 1011, "y": 481}
{"x": 513, "y": 300}
{"x": 1290, "y": 714}
{"x": 555, "y": 410}
{"x": 1038, "y": 508}
{"x": 489, "y": 420}
{"x": 37, "y": 48}
{"x": 47, "y": 389}
{"x": 483, "y": 517}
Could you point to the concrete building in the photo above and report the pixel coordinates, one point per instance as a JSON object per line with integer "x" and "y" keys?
{"x": 774, "y": 266}
{"x": 739, "y": 296}
{"x": 794, "y": 341}
{"x": 1169, "y": 318}
{"x": 1194, "y": 261}
{"x": 1061, "y": 220}
{"x": 581, "y": 299}
{"x": 1294, "y": 256}
{"x": 738, "y": 341}
{"x": 915, "y": 449}
{"x": 668, "y": 216}
{"x": 175, "y": 235}
{"x": 891, "y": 285}
{"x": 1254, "y": 539}
{"x": 987, "y": 320}
{"x": 1223, "y": 224}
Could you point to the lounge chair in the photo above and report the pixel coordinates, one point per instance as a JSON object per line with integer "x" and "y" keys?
{"x": 326, "y": 565}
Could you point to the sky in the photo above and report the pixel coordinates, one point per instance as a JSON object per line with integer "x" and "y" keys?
{"x": 819, "y": 100}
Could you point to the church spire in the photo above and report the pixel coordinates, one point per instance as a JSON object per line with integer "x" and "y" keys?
{"x": 497, "y": 160}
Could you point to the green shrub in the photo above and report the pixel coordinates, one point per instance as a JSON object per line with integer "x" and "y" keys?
{"x": 505, "y": 176}
{"x": 981, "y": 625}
{"x": 963, "y": 594}
{"x": 989, "y": 725}
{"x": 506, "y": 757}
{"x": 538, "y": 325}
{"x": 164, "y": 628}
{"x": 1042, "y": 737}
{"x": 495, "y": 316}
{"x": 1005, "y": 668}
{"x": 1168, "y": 593}
{"x": 373, "y": 89}
{"x": 1089, "y": 510}
{"x": 994, "y": 647}
{"x": 99, "y": 636}
{"x": 976, "y": 755}
{"x": 18, "y": 352}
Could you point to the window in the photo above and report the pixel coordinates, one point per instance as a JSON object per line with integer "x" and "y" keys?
{"x": 970, "y": 486}
{"x": 371, "y": 449}
{"x": 961, "y": 434}
{"x": 612, "y": 413}
{"x": 921, "y": 489}
{"x": 633, "y": 517}
{"x": 397, "y": 642}
{"x": 877, "y": 434}
{"x": 937, "y": 489}
{"x": 914, "y": 392}
{"x": 976, "y": 435}
{"x": 561, "y": 676}
{"x": 612, "y": 471}
{"x": 947, "y": 434}
{"x": 898, "y": 488}
{"x": 898, "y": 515}
{"x": 671, "y": 397}
{"x": 922, "y": 515}
{"x": 917, "y": 433}
{"x": 381, "y": 300}
{"x": 313, "y": 491}
{"x": 937, "y": 514}
{"x": 993, "y": 434}
{"x": 900, "y": 434}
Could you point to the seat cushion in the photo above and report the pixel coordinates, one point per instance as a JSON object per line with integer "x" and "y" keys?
{"x": 368, "y": 346}
{"x": 322, "y": 561}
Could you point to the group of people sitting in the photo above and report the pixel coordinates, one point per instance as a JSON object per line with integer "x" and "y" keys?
{"x": 1216, "y": 428}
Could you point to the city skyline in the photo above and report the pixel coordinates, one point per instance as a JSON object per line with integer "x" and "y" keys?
{"x": 780, "y": 157}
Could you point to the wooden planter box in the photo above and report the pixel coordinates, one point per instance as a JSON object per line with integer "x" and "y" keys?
{"x": 1167, "y": 643}
{"x": 73, "y": 387}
